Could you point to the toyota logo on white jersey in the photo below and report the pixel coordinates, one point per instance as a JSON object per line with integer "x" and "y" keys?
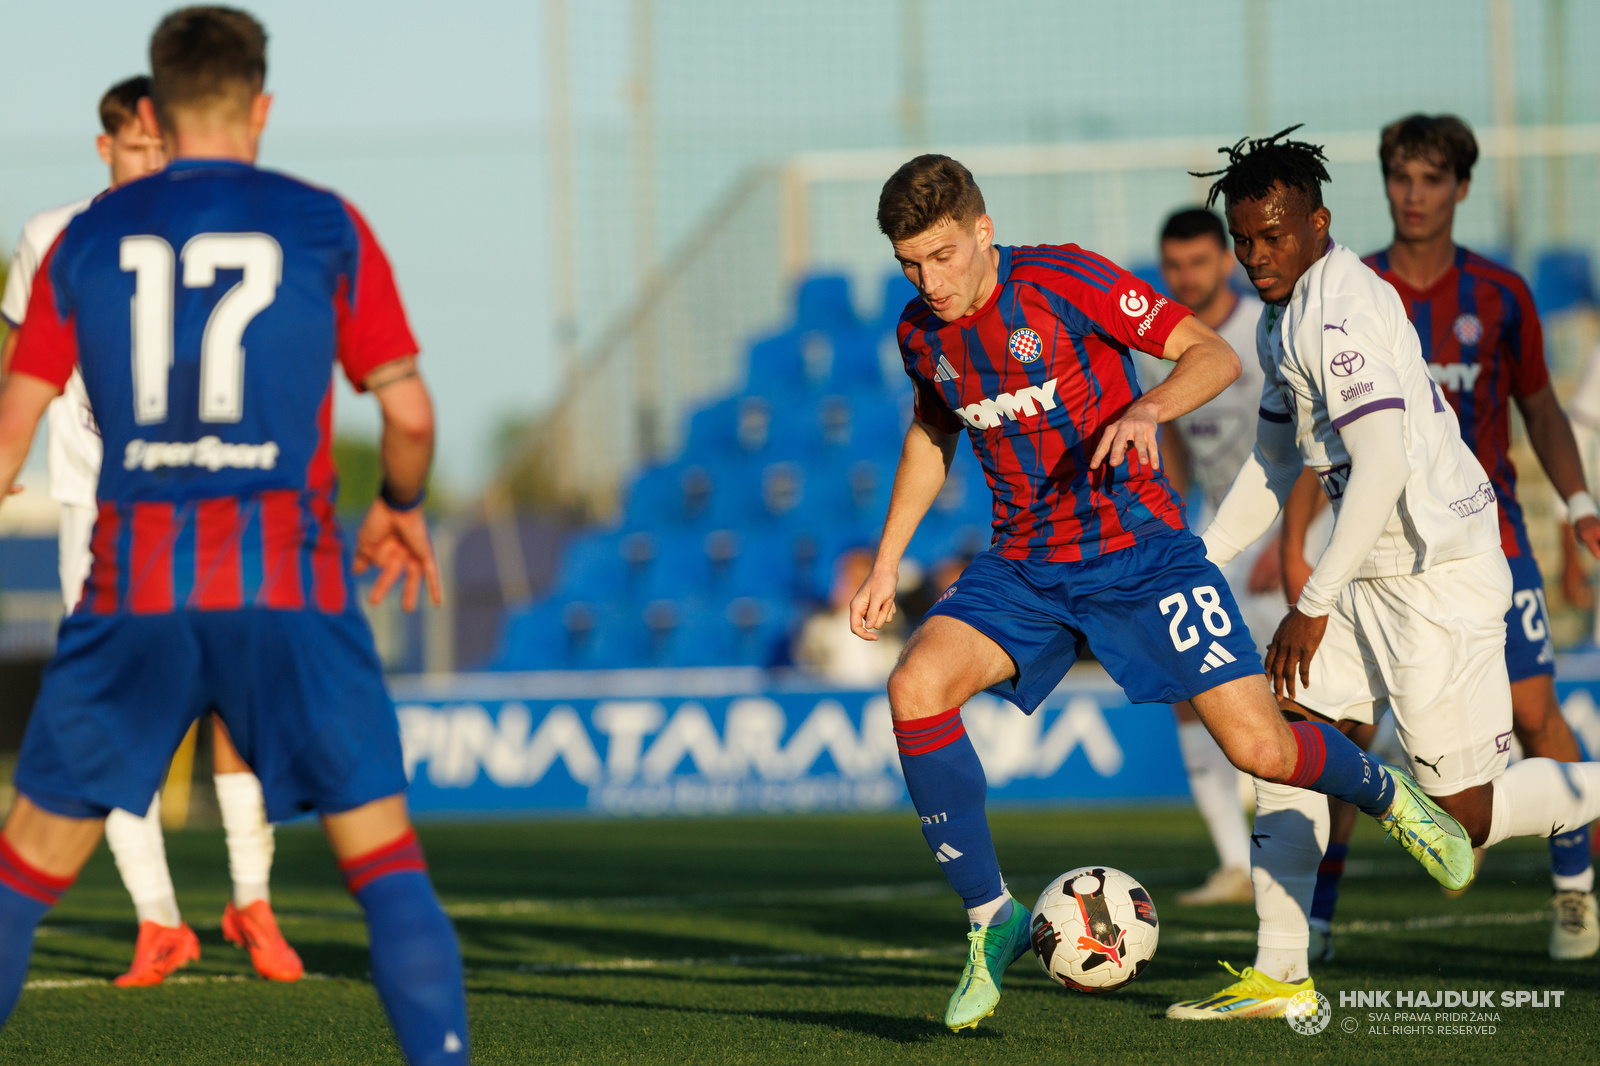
{"x": 1133, "y": 305}
{"x": 1346, "y": 363}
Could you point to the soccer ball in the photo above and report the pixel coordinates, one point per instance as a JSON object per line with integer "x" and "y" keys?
{"x": 1094, "y": 929}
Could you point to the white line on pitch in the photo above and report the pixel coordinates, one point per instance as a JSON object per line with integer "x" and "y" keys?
{"x": 48, "y": 984}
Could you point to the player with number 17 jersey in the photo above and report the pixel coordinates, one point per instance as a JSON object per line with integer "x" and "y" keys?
{"x": 207, "y": 307}
{"x": 1033, "y": 376}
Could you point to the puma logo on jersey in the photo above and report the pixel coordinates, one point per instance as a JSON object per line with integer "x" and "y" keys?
{"x": 1434, "y": 765}
{"x": 1340, "y": 327}
{"x": 1457, "y": 377}
{"x": 986, "y": 414}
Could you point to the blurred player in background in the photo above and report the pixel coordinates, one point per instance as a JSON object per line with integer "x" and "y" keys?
{"x": 165, "y": 940}
{"x": 1207, "y": 447}
{"x": 1029, "y": 349}
{"x": 1407, "y": 604}
{"x": 1482, "y": 340}
{"x": 207, "y": 306}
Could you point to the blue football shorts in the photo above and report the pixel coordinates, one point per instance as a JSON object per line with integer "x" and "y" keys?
{"x": 1158, "y": 616}
{"x": 1529, "y": 651}
{"x": 301, "y": 693}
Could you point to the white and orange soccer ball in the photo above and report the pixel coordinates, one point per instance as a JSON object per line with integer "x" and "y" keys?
{"x": 1094, "y": 929}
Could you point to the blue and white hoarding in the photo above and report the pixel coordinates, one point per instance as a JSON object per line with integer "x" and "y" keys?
{"x": 709, "y": 741}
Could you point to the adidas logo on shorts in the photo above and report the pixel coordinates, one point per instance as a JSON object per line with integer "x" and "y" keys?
{"x": 1216, "y": 655}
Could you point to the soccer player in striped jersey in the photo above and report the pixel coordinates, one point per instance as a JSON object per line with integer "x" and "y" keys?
{"x": 1030, "y": 350}
{"x": 1482, "y": 339}
{"x": 208, "y": 307}
{"x": 165, "y": 941}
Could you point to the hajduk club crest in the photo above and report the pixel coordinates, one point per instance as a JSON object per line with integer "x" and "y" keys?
{"x": 1025, "y": 345}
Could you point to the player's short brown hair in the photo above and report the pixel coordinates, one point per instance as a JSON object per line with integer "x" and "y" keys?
{"x": 120, "y": 105}
{"x": 926, "y": 191}
{"x": 1443, "y": 140}
{"x": 200, "y": 56}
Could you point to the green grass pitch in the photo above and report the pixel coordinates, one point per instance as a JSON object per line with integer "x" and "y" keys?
{"x": 815, "y": 939}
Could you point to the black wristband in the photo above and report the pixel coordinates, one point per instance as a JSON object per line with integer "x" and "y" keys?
{"x": 393, "y": 503}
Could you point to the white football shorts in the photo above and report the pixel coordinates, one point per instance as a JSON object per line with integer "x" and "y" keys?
{"x": 1430, "y": 647}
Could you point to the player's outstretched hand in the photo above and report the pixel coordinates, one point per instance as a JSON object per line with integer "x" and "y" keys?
{"x": 872, "y": 607}
{"x": 396, "y": 543}
{"x": 1136, "y": 429}
{"x": 1587, "y": 530}
{"x": 1293, "y": 647}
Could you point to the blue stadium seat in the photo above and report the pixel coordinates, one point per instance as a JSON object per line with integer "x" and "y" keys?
{"x": 563, "y": 634}
{"x": 897, "y": 292}
{"x": 776, "y": 366}
{"x": 676, "y": 494}
{"x": 737, "y": 424}
{"x": 745, "y": 631}
{"x": 1562, "y": 279}
{"x": 855, "y": 362}
{"x": 823, "y": 302}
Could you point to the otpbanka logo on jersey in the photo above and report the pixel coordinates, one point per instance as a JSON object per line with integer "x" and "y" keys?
{"x": 1134, "y": 304}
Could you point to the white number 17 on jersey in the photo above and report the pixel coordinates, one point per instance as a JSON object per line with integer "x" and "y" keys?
{"x": 153, "y": 265}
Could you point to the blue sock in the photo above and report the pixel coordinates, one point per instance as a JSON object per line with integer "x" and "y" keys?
{"x": 948, "y": 789}
{"x": 416, "y": 962}
{"x": 26, "y": 896}
{"x": 1325, "y": 897}
{"x": 1569, "y": 853}
{"x": 1329, "y": 763}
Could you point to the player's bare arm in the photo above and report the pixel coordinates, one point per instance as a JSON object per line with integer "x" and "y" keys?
{"x": 23, "y": 399}
{"x": 1550, "y": 434}
{"x": 924, "y": 461}
{"x": 394, "y": 535}
{"x": 1305, "y": 502}
{"x": 8, "y": 348}
{"x": 1205, "y": 365}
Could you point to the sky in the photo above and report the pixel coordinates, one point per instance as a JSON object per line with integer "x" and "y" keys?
{"x": 431, "y": 118}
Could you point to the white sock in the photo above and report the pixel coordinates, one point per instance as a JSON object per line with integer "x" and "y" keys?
{"x": 250, "y": 839}
{"x": 1291, "y": 834}
{"x": 994, "y": 912}
{"x": 1214, "y": 783}
{"x": 1542, "y": 797}
{"x": 1583, "y": 882}
{"x": 141, "y": 854}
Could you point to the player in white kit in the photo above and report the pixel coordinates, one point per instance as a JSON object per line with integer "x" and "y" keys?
{"x": 1406, "y": 607}
{"x": 165, "y": 941}
{"x": 1206, "y": 447}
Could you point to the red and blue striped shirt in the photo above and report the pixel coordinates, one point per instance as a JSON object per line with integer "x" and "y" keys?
{"x": 1034, "y": 375}
{"x": 1484, "y": 345}
{"x": 208, "y": 307}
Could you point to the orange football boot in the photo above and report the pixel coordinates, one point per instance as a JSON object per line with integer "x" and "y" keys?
{"x": 254, "y": 927}
{"x": 161, "y": 950}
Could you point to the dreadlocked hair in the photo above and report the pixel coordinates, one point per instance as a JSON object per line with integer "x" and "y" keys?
{"x": 1255, "y": 166}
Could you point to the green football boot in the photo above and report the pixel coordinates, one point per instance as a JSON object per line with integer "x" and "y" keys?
{"x": 1433, "y": 838}
{"x": 992, "y": 949}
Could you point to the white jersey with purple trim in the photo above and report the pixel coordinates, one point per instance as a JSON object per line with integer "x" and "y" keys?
{"x": 1220, "y": 432}
{"x": 1342, "y": 347}
{"x": 74, "y": 449}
